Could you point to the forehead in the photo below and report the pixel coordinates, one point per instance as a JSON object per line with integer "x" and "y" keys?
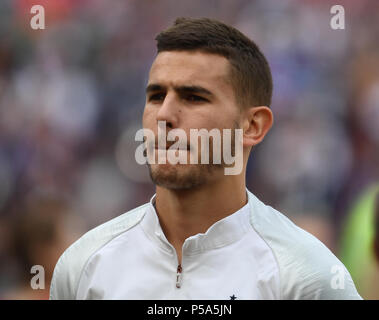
{"x": 190, "y": 67}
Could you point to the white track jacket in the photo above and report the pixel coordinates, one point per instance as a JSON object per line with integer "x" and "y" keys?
{"x": 254, "y": 253}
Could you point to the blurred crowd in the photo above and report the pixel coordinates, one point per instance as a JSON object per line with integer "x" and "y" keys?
{"x": 72, "y": 98}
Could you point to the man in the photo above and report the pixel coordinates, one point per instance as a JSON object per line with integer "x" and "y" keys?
{"x": 203, "y": 235}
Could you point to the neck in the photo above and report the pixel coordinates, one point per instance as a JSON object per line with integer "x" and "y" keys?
{"x": 184, "y": 213}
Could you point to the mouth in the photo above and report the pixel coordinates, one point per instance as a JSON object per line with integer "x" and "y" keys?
{"x": 184, "y": 148}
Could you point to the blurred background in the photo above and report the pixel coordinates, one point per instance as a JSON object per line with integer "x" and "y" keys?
{"x": 72, "y": 98}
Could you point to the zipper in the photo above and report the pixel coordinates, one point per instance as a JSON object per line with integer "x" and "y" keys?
{"x": 179, "y": 272}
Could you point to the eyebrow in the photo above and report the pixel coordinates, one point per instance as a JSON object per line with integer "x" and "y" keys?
{"x": 180, "y": 89}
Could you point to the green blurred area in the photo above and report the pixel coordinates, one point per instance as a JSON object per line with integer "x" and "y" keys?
{"x": 357, "y": 244}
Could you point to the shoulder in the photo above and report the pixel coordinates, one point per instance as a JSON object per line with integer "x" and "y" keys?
{"x": 69, "y": 267}
{"x": 307, "y": 268}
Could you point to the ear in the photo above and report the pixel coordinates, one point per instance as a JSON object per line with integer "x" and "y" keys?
{"x": 257, "y": 122}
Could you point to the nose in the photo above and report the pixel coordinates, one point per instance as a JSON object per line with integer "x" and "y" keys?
{"x": 169, "y": 111}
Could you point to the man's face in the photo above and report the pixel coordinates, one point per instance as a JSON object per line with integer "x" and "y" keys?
{"x": 189, "y": 90}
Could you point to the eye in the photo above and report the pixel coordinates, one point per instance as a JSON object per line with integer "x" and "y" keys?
{"x": 157, "y": 97}
{"x": 195, "y": 98}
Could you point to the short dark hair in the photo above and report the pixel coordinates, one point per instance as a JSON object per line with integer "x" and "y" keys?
{"x": 250, "y": 71}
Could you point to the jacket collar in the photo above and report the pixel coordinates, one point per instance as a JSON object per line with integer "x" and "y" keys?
{"x": 222, "y": 233}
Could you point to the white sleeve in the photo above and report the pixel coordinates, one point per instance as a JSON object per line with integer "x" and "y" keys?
{"x": 307, "y": 268}
{"x": 70, "y": 266}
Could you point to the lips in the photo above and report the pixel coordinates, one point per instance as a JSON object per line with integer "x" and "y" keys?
{"x": 180, "y": 148}
{"x": 169, "y": 144}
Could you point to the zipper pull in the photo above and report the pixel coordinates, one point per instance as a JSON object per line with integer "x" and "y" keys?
{"x": 179, "y": 276}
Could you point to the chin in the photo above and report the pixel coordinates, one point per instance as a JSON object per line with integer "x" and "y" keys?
{"x": 177, "y": 177}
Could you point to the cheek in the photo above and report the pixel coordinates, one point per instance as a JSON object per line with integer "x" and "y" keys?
{"x": 219, "y": 116}
{"x": 218, "y": 121}
{"x": 148, "y": 118}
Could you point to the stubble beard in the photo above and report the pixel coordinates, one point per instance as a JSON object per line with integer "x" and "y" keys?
{"x": 182, "y": 176}
{"x": 188, "y": 176}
